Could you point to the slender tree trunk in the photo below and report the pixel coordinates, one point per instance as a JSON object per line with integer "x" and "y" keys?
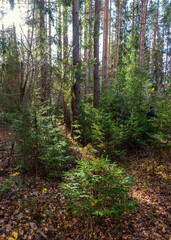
{"x": 142, "y": 32}
{"x": 133, "y": 6}
{"x": 80, "y": 36}
{"x": 59, "y": 36}
{"x": 166, "y": 65}
{"x": 3, "y": 43}
{"x": 16, "y": 84}
{"x": 109, "y": 48}
{"x": 65, "y": 39}
{"x": 90, "y": 57}
{"x": 50, "y": 54}
{"x": 170, "y": 65}
{"x": 154, "y": 41}
{"x": 75, "y": 103}
{"x": 65, "y": 65}
{"x": 137, "y": 14}
{"x": 105, "y": 43}
{"x": 43, "y": 54}
{"x": 15, "y": 43}
{"x": 117, "y": 37}
{"x": 158, "y": 59}
{"x": 162, "y": 50}
{"x": 85, "y": 47}
{"x": 96, "y": 54}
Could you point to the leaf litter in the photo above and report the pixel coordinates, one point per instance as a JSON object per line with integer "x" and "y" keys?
{"x": 37, "y": 210}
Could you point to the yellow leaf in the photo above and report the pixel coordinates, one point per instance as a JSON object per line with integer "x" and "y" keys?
{"x": 15, "y": 234}
{"x": 152, "y": 89}
{"x": 44, "y": 190}
{"x": 11, "y": 238}
{"x": 15, "y": 174}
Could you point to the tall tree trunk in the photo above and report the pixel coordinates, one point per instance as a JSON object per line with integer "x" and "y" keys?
{"x": 16, "y": 84}
{"x": 170, "y": 65}
{"x": 59, "y": 27}
{"x": 65, "y": 39}
{"x": 142, "y": 32}
{"x": 162, "y": 50}
{"x": 65, "y": 64}
{"x": 166, "y": 65}
{"x": 3, "y": 43}
{"x": 90, "y": 57}
{"x": 159, "y": 70}
{"x": 15, "y": 43}
{"x": 105, "y": 43}
{"x": 80, "y": 36}
{"x": 110, "y": 27}
{"x": 117, "y": 37}
{"x": 133, "y": 17}
{"x": 43, "y": 54}
{"x": 154, "y": 41}
{"x": 50, "y": 54}
{"x": 96, "y": 54}
{"x": 75, "y": 102}
{"x": 137, "y": 14}
{"x": 85, "y": 46}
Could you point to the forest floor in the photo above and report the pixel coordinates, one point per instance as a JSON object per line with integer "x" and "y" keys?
{"x": 36, "y": 210}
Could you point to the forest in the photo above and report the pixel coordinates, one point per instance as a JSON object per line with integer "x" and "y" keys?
{"x": 85, "y": 119}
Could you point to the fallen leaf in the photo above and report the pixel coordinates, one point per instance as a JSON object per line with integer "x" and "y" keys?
{"x": 33, "y": 226}
{"x": 15, "y": 234}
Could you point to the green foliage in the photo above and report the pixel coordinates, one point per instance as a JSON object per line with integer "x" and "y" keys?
{"x": 40, "y": 143}
{"x": 99, "y": 129}
{"x": 98, "y": 187}
{"x": 10, "y": 184}
{"x": 115, "y": 126}
{"x": 162, "y": 124}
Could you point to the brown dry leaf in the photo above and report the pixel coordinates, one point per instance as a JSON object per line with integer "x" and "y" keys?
{"x": 21, "y": 232}
{"x": 33, "y": 226}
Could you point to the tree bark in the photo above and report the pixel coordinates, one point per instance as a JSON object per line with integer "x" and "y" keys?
{"x": 59, "y": 27}
{"x": 110, "y": 21}
{"x": 154, "y": 41}
{"x": 50, "y": 55}
{"x": 96, "y": 54}
{"x": 43, "y": 54}
{"x": 85, "y": 47}
{"x": 133, "y": 16}
{"x": 117, "y": 37}
{"x": 105, "y": 44}
{"x": 90, "y": 57}
{"x": 65, "y": 64}
{"x": 75, "y": 102}
{"x": 142, "y": 33}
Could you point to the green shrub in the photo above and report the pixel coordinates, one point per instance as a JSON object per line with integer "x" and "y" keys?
{"x": 41, "y": 144}
{"x": 13, "y": 183}
{"x": 98, "y": 187}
